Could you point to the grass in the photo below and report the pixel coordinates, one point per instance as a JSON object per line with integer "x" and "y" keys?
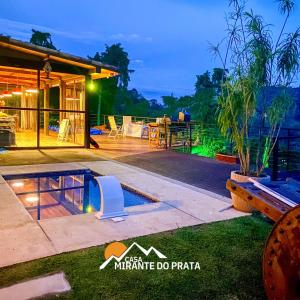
{"x": 229, "y": 253}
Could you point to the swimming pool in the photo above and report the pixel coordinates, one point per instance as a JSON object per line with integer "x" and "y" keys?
{"x": 58, "y": 194}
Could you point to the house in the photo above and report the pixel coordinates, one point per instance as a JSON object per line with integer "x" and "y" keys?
{"x": 44, "y": 96}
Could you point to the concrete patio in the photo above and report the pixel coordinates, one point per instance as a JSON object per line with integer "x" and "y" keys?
{"x": 179, "y": 205}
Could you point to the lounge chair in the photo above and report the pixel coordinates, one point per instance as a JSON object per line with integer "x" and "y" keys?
{"x": 115, "y": 130}
{"x": 64, "y": 130}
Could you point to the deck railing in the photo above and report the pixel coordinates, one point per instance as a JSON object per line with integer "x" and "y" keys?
{"x": 206, "y": 140}
{"x": 103, "y": 120}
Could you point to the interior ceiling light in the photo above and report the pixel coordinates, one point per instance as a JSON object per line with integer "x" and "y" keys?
{"x": 32, "y": 199}
{"x": 7, "y": 93}
{"x": 17, "y": 91}
{"x": 18, "y": 184}
{"x": 32, "y": 90}
{"x": 74, "y": 99}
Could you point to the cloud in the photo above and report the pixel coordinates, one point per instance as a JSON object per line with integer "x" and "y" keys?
{"x": 132, "y": 37}
{"x": 22, "y": 30}
{"x": 139, "y": 62}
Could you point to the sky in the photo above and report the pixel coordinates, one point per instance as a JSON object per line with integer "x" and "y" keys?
{"x": 167, "y": 40}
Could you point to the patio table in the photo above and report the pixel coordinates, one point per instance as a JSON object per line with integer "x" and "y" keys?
{"x": 133, "y": 130}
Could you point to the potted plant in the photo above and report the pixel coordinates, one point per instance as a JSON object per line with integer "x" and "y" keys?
{"x": 248, "y": 114}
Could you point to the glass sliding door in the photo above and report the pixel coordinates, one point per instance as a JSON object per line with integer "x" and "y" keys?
{"x": 18, "y": 127}
{"x": 61, "y": 128}
{"x": 62, "y": 115}
{"x": 49, "y": 112}
{"x": 18, "y": 108}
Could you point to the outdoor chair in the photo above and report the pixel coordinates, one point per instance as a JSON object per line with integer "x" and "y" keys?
{"x": 127, "y": 121}
{"x": 64, "y": 130}
{"x": 115, "y": 130}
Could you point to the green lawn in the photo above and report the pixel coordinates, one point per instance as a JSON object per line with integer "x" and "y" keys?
{"x": 229, "y": 253}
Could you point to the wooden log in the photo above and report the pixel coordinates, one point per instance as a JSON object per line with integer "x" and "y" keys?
{"x": 281, "y": 260}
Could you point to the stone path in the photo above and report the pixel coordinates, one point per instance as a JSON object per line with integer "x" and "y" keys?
{"x": 35, "y": 288}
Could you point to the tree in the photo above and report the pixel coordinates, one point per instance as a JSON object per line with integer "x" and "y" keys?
{"x": 203, "y": 81}
{"x": 115, "y": 55}
{"x": 42, "y": 39}
{"x": 170, "y": 104}
{"x": 218, "y": 78}
{"x": 110, "y": 88}
{"x": 204, "y": 106}
{"x": 156, "y": 109}
{"x": 204, "y": 103}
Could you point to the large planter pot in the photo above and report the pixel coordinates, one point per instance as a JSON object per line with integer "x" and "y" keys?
{"x": 231, "y": 159}
{"x": 238, "y": 202}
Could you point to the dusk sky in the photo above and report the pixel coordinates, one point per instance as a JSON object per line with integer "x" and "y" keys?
{"x": 167, "y": 40}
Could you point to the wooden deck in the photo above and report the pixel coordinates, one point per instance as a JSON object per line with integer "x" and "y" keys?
{"x": 119, "y": 147}
{"x": 109, "y": 147}
{"x": 28, "y": 138}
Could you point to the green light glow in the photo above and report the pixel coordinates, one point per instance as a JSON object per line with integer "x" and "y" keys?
{"x": 89, "y": 209}
{"x": 203, "y": 150}
{"x": 91, "y": 86}
{"x": 266, "y": 151}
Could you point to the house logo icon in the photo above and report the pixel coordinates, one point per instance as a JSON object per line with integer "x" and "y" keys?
{"x": 118, "y": 252}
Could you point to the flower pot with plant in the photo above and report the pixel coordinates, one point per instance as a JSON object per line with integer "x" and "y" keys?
{"x": 248, "y": 114}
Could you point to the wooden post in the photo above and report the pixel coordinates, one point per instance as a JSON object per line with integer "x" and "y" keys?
{"x": 166, "y": 133}
{"x": 99, "y": 110}
{"x": 38, "y": 125}
{"x": 24, "y": 113}
{"x": 170, "y": 138}
{"x": 46, "y": 113}
{"x": 62, "y": 99}
{"x": 88, "y": 81}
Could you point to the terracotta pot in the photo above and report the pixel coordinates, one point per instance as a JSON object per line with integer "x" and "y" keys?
{"x": 232, "y": 159}
{"x": 238, "y": 202}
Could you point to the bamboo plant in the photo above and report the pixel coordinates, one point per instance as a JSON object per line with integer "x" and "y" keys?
{"x": 256, "y": 62}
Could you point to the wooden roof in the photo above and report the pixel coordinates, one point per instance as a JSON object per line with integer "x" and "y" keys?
{"x": 18, "y": 60}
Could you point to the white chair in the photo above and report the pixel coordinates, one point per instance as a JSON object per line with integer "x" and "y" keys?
{"x": 127, "y": 120}
{"x": 159, "y": 120}
{"x": 115, "y": 130}
{"x": 64, "y": 130}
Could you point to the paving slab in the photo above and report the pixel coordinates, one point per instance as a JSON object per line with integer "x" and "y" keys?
{"x": 21, "y": 238}
{"x": 35, "y": 288}
{"x": 2, "y": 180}
{"x": 24, "y": 243}
{"x": 12, "y": 213}
{"x": 82, "y": 231}
{"x": 39, "y": 168}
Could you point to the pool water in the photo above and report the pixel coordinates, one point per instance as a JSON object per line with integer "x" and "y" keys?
{"x": 57, "y": 194}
